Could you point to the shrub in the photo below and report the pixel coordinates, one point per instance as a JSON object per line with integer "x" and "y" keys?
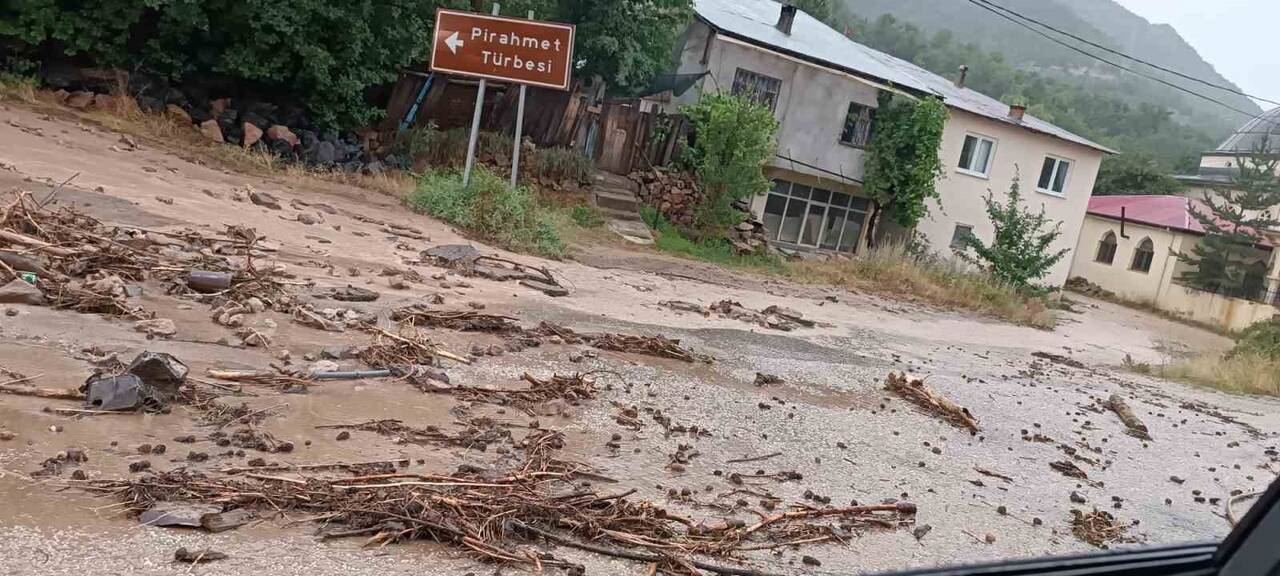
{"x": 1260, "y": 339}
{"x": 561, "y": 164}
{"x": 489, "y": 208}
{"x": 324, "y": 53}
{"x": 734, "y": 138}
{"x": 1019, "y": 254}
{"x": 902, "y": 159}
{"x": 717, "y": 250}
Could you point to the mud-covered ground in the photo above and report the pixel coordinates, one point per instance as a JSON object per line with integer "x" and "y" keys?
{"x": 829, "y": 420}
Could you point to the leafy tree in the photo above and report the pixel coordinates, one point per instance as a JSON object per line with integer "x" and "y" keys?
{"x": 1237, "y": 213}
{"x": 820, "y": 9}
{"x": 1019, "y": 254}
{"x": 1133, "y": 174}
{"x": 734, "y": 138}
{"x": 625, "y": 42}
{"x": 902, "y": 163}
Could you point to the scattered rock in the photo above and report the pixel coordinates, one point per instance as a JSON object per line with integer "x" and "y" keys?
{"x": 1076, "y": 498}
{"x": 343, "y": 435}
{"x": 226, "y": 521}
{"x": 21, "y": 292}
{"x": 164, "y": 200}
{"x": 397, "y": 283}
{"x": 810, "y": 561}
{"x": 763, "y": 379}
{"x": 81, "y": 100}
{"x": 212, "y": 131}
{"x": 177, "y": 113}
{"x": 156, "y": 327}
{"x": 263, "y": 199}
{"x": 308, "y": 218}
{"x": 6, "y": 435}
{"x": 278, "y": 132}
{"x": 197, "y": 556}
{"x": 252, "y": 134}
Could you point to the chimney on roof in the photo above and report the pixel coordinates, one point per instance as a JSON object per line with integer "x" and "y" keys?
{"x": 1016, "y": 111}
{"x": 964, "y": 70}
{"x": 787, "y": 18}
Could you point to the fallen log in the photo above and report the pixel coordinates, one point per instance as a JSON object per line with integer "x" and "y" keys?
{"x": 917, "y": 393}
{"x": 36, "y": 243}
{"x": 55, "y": 393}
{"x": 1131, "y": 421}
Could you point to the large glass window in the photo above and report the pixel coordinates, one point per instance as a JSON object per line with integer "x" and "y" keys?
{"x": 1053, "y": 175}
{"x": 814, "y": 217}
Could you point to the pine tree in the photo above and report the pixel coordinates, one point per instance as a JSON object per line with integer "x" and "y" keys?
{"x": 1236, "y": 216}
{"x": 1019, "y": 254}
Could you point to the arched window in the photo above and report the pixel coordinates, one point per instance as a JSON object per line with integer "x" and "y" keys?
{"x": 1143, "y": 255}
{"x": 1106, "y": 249}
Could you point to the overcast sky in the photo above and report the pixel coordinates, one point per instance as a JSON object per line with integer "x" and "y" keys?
{"x": 1238, "y": 37}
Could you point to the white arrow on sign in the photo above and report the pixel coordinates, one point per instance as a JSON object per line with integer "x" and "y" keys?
{"x": 453, "y": 42}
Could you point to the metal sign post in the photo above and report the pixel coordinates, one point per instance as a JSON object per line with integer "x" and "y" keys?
{"x": 475, "y": 123}
{"x": 515, "y": 150}
{"x": 521, "y": 52}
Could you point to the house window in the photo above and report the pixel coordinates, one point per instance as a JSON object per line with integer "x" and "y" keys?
{"x": 1143, "y": 255}
{"x": 1053, "y": 175}
{"x": 813, "y": 217}
{"x": 1106, "y": 249}
{"x": 857, "y": 125}
{"x": 757, "y": 87}
{"x": 959, "y": 237}
{"x": 975, "y": 156}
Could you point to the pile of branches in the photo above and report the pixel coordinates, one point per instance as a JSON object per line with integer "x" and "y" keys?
{"x": 659, "y": 345}
{"x": 569, "y": 388}
{"x": 460, "y": 320}
{"x": 914, "y": 391}
{"x": 499, "y": 517}
{"x": 84, "y": 265}
{"x": 477, "y": 433}
{"x": 1098, "y": 528}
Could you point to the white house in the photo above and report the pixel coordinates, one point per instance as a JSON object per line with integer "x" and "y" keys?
{"x": 823, "y": 88}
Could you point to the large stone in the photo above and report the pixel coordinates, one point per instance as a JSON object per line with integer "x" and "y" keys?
{"x": 80, "y": 100}
{"x": 252, "y": 134}
{"x": 264, "y": 199}
{"x": 212, "y": 131}
{"x": 278, "y": 132}
{"x": 177, "y": 113}
{"x": 217, "y": 107}
{"x": 326, "y": 153}
{"x": 156, "y": 327}
{"x": 21, "y": 292}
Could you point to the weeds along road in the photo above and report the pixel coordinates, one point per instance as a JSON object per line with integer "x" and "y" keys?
{"x": 701, "y": 440}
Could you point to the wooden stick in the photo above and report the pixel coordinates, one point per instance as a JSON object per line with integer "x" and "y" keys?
{"x": 55, "y": 190}
{"x": 36, "y": 243}
{"x": 1131, "y": 421}
{"x": 904, "y": 507}
{"x": 639, "y": 556}
{"x": 282, "y": 467}
{"x": 54, "y": 393}
{"x": 754, "y": 459}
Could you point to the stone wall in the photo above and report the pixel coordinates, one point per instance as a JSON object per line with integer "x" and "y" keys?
{"x": 674, "y": 194}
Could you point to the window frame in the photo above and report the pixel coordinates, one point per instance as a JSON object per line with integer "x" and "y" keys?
{"x": 870, "y": 116}
{"x": 991, "y": 157}
{"x": 740, "y": 72}
{"x": 1057, "y": 165}
{"x": 1137, "y": 250}
{"x": 954, "y": 237}
{"x": 783, "y": 190}
{"x": 1115, "y": 245}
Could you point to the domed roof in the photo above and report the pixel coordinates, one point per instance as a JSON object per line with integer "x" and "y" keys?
{"x": 1249, "y": 137}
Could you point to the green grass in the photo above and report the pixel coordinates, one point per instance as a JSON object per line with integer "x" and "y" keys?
{"x": 1239, "y": 373}
{"x": 490, "y": 209}
{"x": 586, "y": 216}
{"x": 668, "y": 238}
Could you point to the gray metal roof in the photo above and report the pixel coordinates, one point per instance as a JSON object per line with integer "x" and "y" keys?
{"x": 755, "y": 20}
{"x": 1248, "y": 138}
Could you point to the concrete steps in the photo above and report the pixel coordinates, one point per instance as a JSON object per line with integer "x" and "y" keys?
{"x": 615, "y": 197}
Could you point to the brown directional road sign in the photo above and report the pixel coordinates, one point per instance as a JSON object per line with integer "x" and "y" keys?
{"x": 506, "y": 49}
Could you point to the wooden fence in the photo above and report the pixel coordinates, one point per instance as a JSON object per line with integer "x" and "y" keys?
{"x": 614, "y": 133}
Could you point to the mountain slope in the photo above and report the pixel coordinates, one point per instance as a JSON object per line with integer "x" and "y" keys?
{"x": 1101, "y": 21}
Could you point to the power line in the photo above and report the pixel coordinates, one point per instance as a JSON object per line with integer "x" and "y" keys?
{"x": 1073, "y": 48}
{"x": 1126, "y": 56}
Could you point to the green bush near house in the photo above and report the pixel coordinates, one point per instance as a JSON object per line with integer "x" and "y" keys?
{"x": 586, "y": 216}
{"x": 1260, "y": 339}
{"x": 734, "y": 138}
{"x": 489, "y": 208}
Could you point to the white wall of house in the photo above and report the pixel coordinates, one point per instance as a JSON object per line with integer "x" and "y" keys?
{"x": 1016, "y": 151}
{"x": 1133, "y": 285}
{"x": 811, "y": 105}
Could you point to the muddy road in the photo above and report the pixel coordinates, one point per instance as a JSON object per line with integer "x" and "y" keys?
{"x": 705, "y": 441}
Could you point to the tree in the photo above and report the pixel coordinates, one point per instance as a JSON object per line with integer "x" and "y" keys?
{"x": 625, "y": 42}
{"x": 1133, "y": 174}
{"x": 1019, "y": 254}
{"x": 734, "y": 138}
{"x": 902, "y": 163}
{"x": 820, "y": 9}
{"x": 1234, "y": 217}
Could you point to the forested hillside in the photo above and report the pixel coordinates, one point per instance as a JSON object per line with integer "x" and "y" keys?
{"x": 1132, "y": 114}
